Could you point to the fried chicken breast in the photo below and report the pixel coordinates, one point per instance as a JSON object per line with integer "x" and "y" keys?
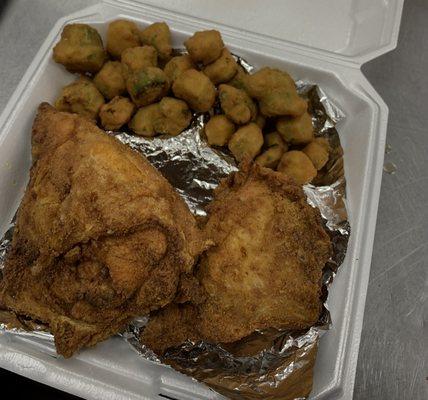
{"x": 264, "y": 270}
{"x": 100, "y": 237}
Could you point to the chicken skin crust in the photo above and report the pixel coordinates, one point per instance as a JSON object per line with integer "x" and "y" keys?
{"x": 264, "y": 270}
{"x": 101, "y": 236}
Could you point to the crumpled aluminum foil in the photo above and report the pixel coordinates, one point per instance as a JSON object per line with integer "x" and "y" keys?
{"x": 268, "y": 364}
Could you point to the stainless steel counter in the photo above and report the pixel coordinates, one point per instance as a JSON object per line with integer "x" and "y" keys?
{"x": 393, "y": 354}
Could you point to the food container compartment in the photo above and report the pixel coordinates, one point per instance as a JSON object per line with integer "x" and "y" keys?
{"x": 112, "y": 369}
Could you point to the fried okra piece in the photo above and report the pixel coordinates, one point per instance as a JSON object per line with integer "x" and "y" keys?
{"x": 170, "y": 116}
{"x": 276, "y": 147}
{"x": 297, "y": 130}
{"x": 246, "y": 142}
{"x": 297, "y": 165}
{"x": 236, "y": 104}
{"x": 80, "y": 97}
{"x": 278, "y": 103}
{"x": 110, "y": 80}
{"x": 271, "y": 157}
{"x": 240, "y": 79}
{"x": 205, "y": 46}
{"x": 276, "y": 92}
{"x": 196, "y": 89}
{"x": 122, "y": 35}
{"x": 275, "y": 139}
{"x": 80, "y": 49}
{"x": 178, "y": 65}
{"x": 176, "y": 117}
{"x": 218, "y": 130}
{"x": 144, "y": 120}
{"x": 147, "y": 85}
{"x": 136, "y": 58}
{"x": 223, "y": 69}
{"x": 158, "y": 35}
{"x": 116, "y": 113}
{"x": 260, "y": 121}
{"x": 318, "y": 151}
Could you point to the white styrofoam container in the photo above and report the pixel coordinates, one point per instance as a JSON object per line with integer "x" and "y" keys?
{"x": 329, "y": 41}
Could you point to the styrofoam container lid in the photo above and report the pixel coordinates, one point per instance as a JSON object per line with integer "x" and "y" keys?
{"x": 323, "y": 41}
{"x": 355, "y": 30}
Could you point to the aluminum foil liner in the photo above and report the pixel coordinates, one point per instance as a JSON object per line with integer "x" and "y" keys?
{"x": 268, "y": 364}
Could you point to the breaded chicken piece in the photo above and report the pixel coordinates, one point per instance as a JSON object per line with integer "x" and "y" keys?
{"x": 101, "y": 236}
{"x": 264, "y": 270}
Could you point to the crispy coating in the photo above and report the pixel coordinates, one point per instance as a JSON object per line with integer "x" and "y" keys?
{"x": 240, "y": 80}
{"x": 246, "y": 142}
{"x": 297, "y": 130}
{"x": 136, "y": 58}
{"x": 80, "y": 97}
{"x": 110, "y": 80}
{"x": 177, "y": 65}
{"x": 270, "y": 157}
{"x": 205, "y": 46}
{"x": 144, "y": 120}
{"x": 116, "y": 113}
{"x": 318, "y": 151}
{"x": 195, "y": 89}
{"x": 276, "y": 92}
{"x": 122, "y": 35}
{"x": 264, "y": 270}
{"x": 170, "y": 327}
{"x": 158, "y": 35}
{"x": 147, "y": 85}
{"x": 223, "y": 69}
{"x": 101, "y": 236}
{"x": 275, "y": 139}
{"x": 236, "y": 104}
{"x": 170, "y": 116}
{"x": 260, "y": 121}
{"x": 219, "y": 130}
{"x": 80, "y": 49}
{"x": 176, "y": 116}
{"x": 298, "y": 166}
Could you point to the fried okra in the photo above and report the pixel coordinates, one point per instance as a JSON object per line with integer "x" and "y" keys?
{"x": 143, "y": 121}
{"x": 170, "y": 116}
{"x": 205, "y": 47}
{"x": 158, "y": 35}
{"x": 80, "y": 97}
{"x": 122, "y": 35}
{"x": 223, "y": 69}
{"x": 275, "y": 139}
{"x": 276, "y": 92}
{"x": 297, "y": 165}
{"x": 147, "y": 85}
{"x": 178, "y": 65}
{"x": 240, "y": 79}
{"x": 219, "y": 130}
{"x": 297, "y": 130}
{"x": 270, "y": 158}
{"x": 176, "y": 117}
{"x": 136, "y": 58}
{"x": 236, "y": 104}
{"x": 80, "y": 49}
{"x": 318, "y": 151}
{"x": 196, "y": 89}
{"x": 246, "y": 142}
{"x": 110, "y": 80}
{"x": 116, "y": 113}
{"x": 260, "y": 121}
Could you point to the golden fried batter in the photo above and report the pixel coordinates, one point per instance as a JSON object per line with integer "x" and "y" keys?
{"x": 101, "y": 236}
{"x": 264, "y": 269}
